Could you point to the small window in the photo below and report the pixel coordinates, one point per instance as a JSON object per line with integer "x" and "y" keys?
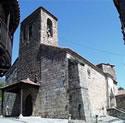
{"x": 82, "y": 64}
{"x": 24, "y": 33}
{"x": 79, "y": 110}
{"x": 49, "y": 28}
{"x": 89, "y": 73}
{"x": 30, "y": 31}
{"x": 66, "y": 108}
{"x": 79, "y": 107}
{"x": 36, "y": 79}
{"x": 46, "y": 97}
{"x": 70, "y": 98}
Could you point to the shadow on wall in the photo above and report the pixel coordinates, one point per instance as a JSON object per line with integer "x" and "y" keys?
{"x": 29, "y": 99}
{"x": 76, "y": 108}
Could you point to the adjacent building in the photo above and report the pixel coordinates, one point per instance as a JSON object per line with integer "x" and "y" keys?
{"x": 120, "y": 6}
{"x": 9, "y": 20}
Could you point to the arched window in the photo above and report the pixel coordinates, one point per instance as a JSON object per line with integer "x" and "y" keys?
{"x": 49, "y": 28}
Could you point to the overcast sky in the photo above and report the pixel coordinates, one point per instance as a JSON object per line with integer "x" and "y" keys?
{"x": 89, "y": 27}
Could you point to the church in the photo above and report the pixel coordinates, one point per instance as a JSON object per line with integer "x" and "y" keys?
{"x": 53, "y": 82}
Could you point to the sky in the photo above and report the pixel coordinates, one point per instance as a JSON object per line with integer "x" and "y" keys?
{"x": 90, "y": 27}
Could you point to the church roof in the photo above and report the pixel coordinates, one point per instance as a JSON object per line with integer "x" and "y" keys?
{"x": 15, "y": 87}
{"x": 28, "y": 81}
{"x": 121, "y": 93}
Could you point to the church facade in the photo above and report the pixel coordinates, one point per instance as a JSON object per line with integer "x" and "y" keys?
{"x": 54, "y": 82}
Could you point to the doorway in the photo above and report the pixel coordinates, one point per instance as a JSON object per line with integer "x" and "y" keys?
{"x": 28, "y": 106}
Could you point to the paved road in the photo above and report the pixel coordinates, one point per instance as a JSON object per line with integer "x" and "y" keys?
{"x": 106, "y": 119}
{"x": 10, "y": 120}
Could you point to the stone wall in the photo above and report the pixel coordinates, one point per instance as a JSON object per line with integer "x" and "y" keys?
{"x": 109, "y": 69}
{"x": 52, "y": 98}
{"x": 34, "y": 33}
{"x": 93, "y": 79}
{"x": 76, "y": 108}
{"x": 85, "y": 94}
{"x": 29, "y": 47}
{"x": 97, "y": 90}
{"x": 112, "y": 91}
{"x": 116, "y": 113}
{"x": 11, "y": 100}
{"x": 120, "y": 100}
{"x": 79, "y": 105}
{"x": 11, "y": 75}
{"x": 44, "y": 39}
{"x": 46, "y": 64}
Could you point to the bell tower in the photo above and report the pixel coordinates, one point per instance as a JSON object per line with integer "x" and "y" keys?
{"x": 39, "y": 28}
{"x": 48, "y": 34}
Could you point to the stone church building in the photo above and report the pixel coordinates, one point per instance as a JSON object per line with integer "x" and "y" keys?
{"x": 54, "y": 82}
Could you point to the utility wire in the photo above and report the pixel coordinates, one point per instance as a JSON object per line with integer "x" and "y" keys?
{"x": 95, "y": 49}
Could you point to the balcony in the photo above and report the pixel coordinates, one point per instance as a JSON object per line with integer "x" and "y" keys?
{"x": 5, "y": 48}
